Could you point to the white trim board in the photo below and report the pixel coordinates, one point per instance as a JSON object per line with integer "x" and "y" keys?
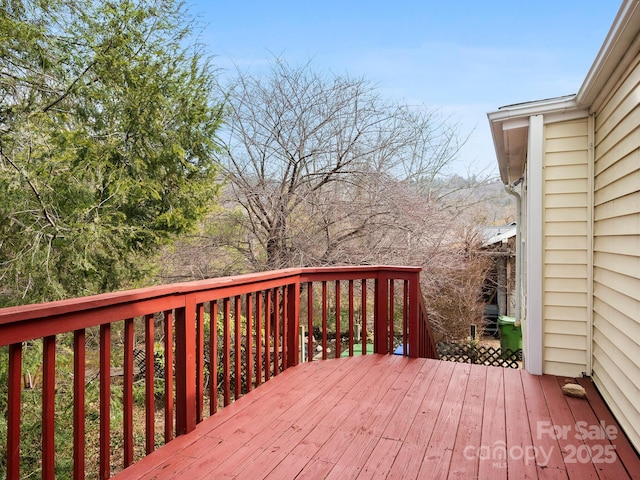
{"x": 534, "y": 246}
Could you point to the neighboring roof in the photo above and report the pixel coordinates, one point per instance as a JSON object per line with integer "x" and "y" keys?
{"x": 510, "y": 124}
{"x": 499, "y": 234}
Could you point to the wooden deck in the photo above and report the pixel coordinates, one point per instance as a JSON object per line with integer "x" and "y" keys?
{"x": 385, "y": 416}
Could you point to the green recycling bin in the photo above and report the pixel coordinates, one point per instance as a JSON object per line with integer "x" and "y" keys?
{"x": 510, "y": 336}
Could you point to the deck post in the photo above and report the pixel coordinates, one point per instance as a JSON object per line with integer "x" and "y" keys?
{"x": 13, "y": 417}
{"x": 381, "y": 314}
{"x": 185, "y": 331}
{"x": 293, "y": 328}
{"x": 48, "y": 406}
{"x": 79, "y": 367}
{"x": 413, "y": 340}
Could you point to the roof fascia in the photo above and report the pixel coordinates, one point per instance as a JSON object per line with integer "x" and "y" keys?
{"x": 516, "y": 117}
{"x": 540, "y": 107}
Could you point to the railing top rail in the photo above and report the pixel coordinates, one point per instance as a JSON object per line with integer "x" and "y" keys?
{"x": 353, "y": 273}
{"x": 258, "y": 335}
{"x": 122, "y": 298}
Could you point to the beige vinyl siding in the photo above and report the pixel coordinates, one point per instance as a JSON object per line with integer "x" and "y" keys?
{"x": 566, "y": 248}
{"x": 616, "y": 257}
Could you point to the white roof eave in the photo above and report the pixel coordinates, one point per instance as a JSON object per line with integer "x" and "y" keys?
{"x": 509, "y": 128}
{"x": 511, "y": 144}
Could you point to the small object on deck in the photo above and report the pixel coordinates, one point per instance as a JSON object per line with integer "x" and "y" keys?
{"x": 400, "y": 350}
{"x": 574, "y": 390}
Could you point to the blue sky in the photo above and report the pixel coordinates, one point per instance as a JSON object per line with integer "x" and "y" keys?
{"x": 464, "y": 58}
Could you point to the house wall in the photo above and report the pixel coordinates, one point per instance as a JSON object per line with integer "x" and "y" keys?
{"x": 616, "y": 257}
{"x": 566, "y": 217}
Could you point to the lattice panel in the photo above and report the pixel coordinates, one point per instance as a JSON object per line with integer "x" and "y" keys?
{"x": 479, "y": 354}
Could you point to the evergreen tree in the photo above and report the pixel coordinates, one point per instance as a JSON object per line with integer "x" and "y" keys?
{"x": 107, "y": 136}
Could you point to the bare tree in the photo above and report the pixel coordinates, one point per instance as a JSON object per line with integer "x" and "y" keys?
{"x": 321, "y": 171}
{"x": 310, "y": 159}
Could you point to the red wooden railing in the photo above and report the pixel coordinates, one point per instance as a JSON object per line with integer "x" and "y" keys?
{"x": 207, "y": 342}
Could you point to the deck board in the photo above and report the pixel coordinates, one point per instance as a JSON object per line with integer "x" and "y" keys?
{"x": 494, "y": 464}
{"x": 521, "y": 461}
{"x": 549, "y": 462}
{"x": 464, "y": 461}
{"x": 440, "y": 447}
{"x": 623, "y": 448}
{"x": 385, "y": 416}
{"x": 562, "y": 417}
{"x": 413, "y": 450}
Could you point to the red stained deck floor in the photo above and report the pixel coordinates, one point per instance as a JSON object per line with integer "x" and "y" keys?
{"x": 385, "y": 416}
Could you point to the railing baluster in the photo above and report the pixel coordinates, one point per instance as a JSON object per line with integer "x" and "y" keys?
{"x": 267, "y": 335}
{"x": 284, "y": 315}
{"x": 351, "y": 341}
{"x": 149, "y": 379}
{"x": 259, "y": 300}
{"x": 391, "y": 315}
{"x": 105, "y": 401}
{"x": 127, "y": 392}
{"x": 249, "y": 346}
{"x": 226, "y": 351}
{"x": 226, "y": 354}
{"x": 237, "y": 392}
{"x": 168, "y": 376}
{"x": 293, "y": 321}
{"x": 14, "y": 403}
{"x": 310, "y": 321}
{"x": 338, "y": 318}
{"x": 324, "y": 320}
{"x": 48, "y": 406}
{"x": 79, "y": 355}
{"x": 405, "y": 316}
{"x": 199, "y": 361}
{"x": 276, "y": 331}
{"x": 213, "y": 357}
{"x": 363, "y": 320}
